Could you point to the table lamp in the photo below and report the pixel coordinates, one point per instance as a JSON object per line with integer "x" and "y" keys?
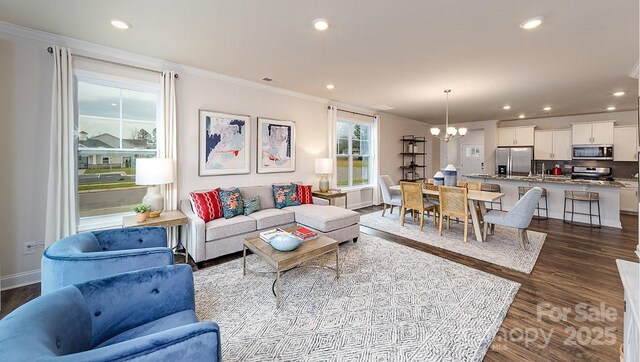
{"x": 324, "y": 167}
{"x": 154, "y": 172}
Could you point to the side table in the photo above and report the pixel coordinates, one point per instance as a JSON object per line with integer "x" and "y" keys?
{"x": 330, "y": 196}
{"x": 168, "y": 219}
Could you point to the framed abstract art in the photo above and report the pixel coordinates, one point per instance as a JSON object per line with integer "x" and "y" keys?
{"x": 224, "y": 144}
{"x": 276, "y": 145}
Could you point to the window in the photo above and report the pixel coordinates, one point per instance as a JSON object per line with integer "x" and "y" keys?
{"x": 117, "y": 124}
{"x": 353, "y": 155}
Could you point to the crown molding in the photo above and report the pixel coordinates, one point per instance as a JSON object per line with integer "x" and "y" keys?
{"x": 88, "y": 48}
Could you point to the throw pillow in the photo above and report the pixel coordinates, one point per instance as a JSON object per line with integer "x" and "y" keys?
{"x": 304, "y": 194}
{"x": 252, "y": 205}
{"x": 207, "y": 204}
{"x": 232, "y": 204}
{"x": 285, "y": 195}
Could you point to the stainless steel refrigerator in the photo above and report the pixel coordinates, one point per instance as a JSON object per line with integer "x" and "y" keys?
{"x": 514, "y": 160}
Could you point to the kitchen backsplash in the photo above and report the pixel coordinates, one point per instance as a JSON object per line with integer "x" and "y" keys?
{"x": 623, "y": 169}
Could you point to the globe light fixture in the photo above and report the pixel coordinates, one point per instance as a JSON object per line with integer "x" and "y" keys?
{"x": 450, "y": 132}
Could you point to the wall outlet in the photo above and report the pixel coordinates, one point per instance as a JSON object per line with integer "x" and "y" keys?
{"x": 29, "y": 247}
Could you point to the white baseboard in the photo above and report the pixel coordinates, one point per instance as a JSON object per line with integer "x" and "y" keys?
{"x": 20, "y": 279}
{"x": 360, "y": 205}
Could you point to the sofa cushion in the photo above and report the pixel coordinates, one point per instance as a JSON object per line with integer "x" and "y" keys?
{"x": 304, "y": 194}
{"x": 206, "y": 204}
{"x": 269, "y": 218}
{"x": 265, "y": 192}
{"x": 222, "y": 228}
{"x": 232, "y": 204}
{"x": 251, "y": 205}
{"x": 179, "y": 319}
{"x": 285, "y": 195}
{"x": 324, "y": 218}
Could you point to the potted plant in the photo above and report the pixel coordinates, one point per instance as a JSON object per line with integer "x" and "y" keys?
{"x": 142, "y": 212}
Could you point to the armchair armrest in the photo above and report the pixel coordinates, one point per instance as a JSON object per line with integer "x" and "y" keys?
{"x": 195, "y": 232}
{"x": 132, "y": 238}
{"x": 124, "y": 301}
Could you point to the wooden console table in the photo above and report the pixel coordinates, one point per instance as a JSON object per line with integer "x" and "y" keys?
{"x": 330, "y": 196}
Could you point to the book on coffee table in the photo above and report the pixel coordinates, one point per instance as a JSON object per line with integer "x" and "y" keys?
{"x": 305, "y": 234}
{"x": 269, "y": 234}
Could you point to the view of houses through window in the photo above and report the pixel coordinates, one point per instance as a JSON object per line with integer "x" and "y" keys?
{"x": 117, "y": 124}
{"x": 353, "y": 153}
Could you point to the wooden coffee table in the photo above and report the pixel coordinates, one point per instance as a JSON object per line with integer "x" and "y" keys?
{"x": 283, "y": 261}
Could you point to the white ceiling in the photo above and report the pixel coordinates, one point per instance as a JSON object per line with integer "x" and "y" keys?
{"x": 398, "y": 53}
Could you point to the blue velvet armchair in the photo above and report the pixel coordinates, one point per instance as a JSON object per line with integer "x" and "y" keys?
{"x": 92, "y": 255}
{"x": 146, "y": 315}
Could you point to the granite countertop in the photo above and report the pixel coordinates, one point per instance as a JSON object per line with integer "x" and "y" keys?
{"x": 548, "y": 179}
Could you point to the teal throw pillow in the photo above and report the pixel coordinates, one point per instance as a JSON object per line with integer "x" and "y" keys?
{"x": 252, "y": 205}
{"x": 285, "y": 195}
{"x": 232, "y": 204}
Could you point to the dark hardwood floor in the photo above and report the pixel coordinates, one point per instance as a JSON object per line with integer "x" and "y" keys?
{"x": 576, "y": 270}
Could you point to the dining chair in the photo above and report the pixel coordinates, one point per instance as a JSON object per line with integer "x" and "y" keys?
{"x": 389, "y": 197}
{"x": 470, "y": 185}
{"x": 518, "y": 217}
{"x": 453, "y": 203}
{"x": 413, "y": 199}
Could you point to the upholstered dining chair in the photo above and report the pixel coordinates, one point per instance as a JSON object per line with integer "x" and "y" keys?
{"x": 518, "y": 217}
{"x": 413, "y": 199}
{"x": 453, "y": 203}
{"x": 389, "y": 197}
{"x": 92, "y": 255}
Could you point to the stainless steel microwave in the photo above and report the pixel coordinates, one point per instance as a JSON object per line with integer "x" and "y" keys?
{"x": 592, "y": 152}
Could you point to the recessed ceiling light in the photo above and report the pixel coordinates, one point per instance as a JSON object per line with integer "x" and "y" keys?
{"x": 506, "y": 107}
{"x": 114, "y": 104}
{"x": 330, "y": 86}
{"x": 618, "y": 94}
{"x": 611, "y": 108}
{"x": 320, "y": 24}
{"x": 521, "y": 116}
{"x": 531, "y": 23}
{"x": 547, "y": 108}
{"x": 119, "y": 24}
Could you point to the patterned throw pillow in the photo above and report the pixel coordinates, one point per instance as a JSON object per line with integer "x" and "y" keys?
{"x": 285, "y": 195}
{"x": 252, "y": 205}
{"x": 232, "y": 204}
{"x": 304, "y": 194}
{"x": 207, "y": 204}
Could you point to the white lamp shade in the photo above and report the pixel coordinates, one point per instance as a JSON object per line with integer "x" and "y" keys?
{"x": 462, "y": 131}
{"x": 435, "y": 131}
{"x": 324, "y": 165}
{"x": 154, "y": 171}
{"x": 452, "y": 131}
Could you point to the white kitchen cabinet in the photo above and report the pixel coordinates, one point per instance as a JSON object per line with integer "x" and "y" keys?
{"x": 629, "y": 196}
{"x": 625, "y": 143}
{"x": 516, "y": 136}
{"x": 552, "y": 145}
{"x": 599, "y": 133}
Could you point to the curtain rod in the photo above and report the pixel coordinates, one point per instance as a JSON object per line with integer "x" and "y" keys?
{"x": 344, "y": 110}
{"x": 50, "y": 50}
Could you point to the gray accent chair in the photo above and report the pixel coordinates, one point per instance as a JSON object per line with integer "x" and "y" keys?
{"x": 389, "y": 197}
{"x": 518, "y": 217}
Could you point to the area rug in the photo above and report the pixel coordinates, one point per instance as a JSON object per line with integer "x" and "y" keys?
{"x": 391, "y": 303}
{"x": 502, "y": 248}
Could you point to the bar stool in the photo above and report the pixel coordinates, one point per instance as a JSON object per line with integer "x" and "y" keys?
{"x": 492, "y": 188}
{"x": 582, "y": 196}
{"x": 523, "y": 190}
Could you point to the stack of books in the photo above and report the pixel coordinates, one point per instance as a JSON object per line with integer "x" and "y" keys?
{"x": 305, "y": 234}
{"x": 269, "y": 234}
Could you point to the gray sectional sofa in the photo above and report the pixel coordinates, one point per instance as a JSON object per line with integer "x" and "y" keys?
{"x": 225, "y": 236}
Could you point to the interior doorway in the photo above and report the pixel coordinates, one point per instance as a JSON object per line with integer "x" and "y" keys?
{"x": 472, "y": 153}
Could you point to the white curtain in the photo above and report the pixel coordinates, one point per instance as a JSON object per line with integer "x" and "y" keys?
{"x": 61, "y": 212}
{"x": 376, "y": 159}
{"x": 332, "y": 146}
{"x": 169, "y": 147}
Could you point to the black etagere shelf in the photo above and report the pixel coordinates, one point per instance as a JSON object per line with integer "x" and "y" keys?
{"x": 414, "y": 158}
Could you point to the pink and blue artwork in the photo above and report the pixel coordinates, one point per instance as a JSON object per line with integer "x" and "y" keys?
{"x": 224, "y": 144}
{"x": 276, "y": 145}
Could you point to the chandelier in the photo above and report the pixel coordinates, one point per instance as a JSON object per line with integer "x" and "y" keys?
{"x": 450, "y": 132}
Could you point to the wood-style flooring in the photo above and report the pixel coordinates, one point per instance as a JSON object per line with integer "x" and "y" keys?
{"x": 576, "y": 270}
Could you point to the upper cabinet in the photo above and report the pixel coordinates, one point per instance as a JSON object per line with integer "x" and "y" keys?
{"x": 552, "y": 145}
{"x": 515, "y": 136}
{"x": 599, "y": 133}
{"x": 625, "y": 143}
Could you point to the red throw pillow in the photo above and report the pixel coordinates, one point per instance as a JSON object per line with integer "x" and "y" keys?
{"x": 304, "y": 194}
{"x": 207, "y": 204}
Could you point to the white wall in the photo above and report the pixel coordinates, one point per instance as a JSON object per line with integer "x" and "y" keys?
{"x": 25, "y": 107}
{"x": 449, "y": 152}
{"x": 392, "y": 128}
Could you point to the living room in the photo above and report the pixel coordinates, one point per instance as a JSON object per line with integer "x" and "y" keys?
{"x": 271, "y": 62}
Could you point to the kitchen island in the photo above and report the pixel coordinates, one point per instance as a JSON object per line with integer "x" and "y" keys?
{"x": 556, "y": 185}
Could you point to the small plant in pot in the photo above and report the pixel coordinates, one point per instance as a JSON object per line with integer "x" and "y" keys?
{"x": 142, "y": 212}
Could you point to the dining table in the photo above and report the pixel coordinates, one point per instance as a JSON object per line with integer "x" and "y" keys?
{"x": 474, "y": 198}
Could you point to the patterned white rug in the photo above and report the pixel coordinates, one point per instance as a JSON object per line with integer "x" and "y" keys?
{"x": 502, "y": 248}
{"x": 391, "y": 303}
